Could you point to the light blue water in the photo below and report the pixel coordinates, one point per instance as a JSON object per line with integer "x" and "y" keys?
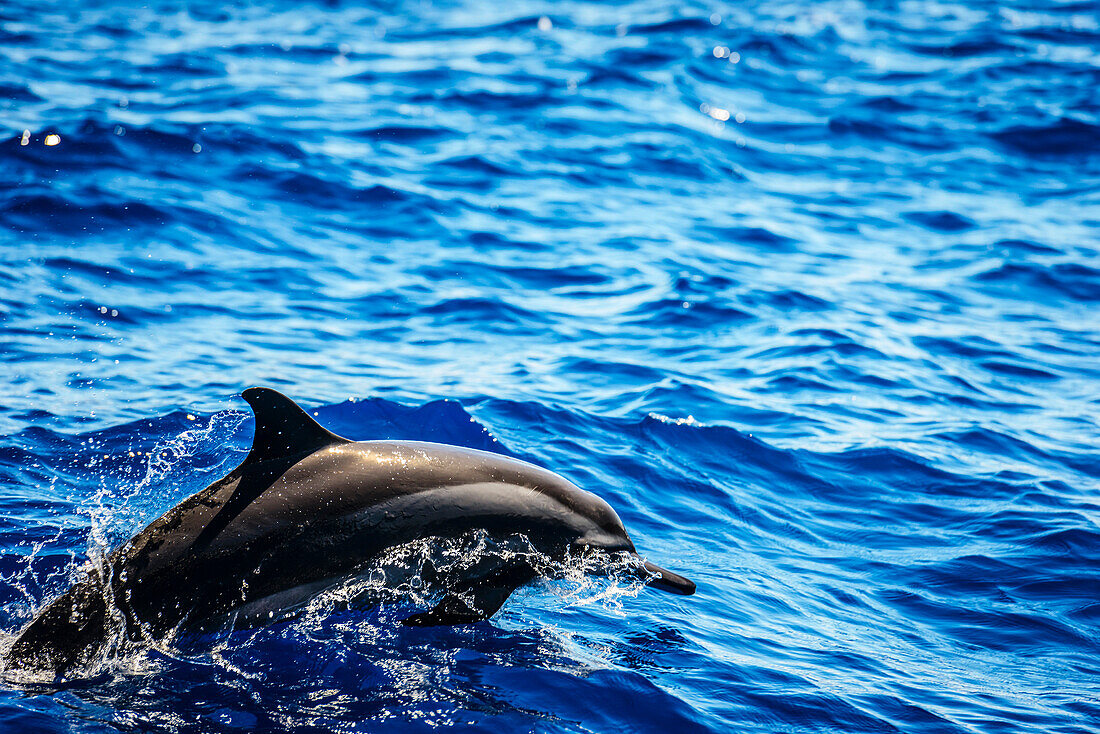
{"x": 809, "y": 292}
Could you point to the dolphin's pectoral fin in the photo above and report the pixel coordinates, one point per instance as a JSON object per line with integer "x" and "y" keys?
{"x": 472, "y": 601}
{"x": 455, "y": 609}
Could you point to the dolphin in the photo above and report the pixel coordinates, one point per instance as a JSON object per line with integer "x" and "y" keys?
{"x": 306, "y": 509}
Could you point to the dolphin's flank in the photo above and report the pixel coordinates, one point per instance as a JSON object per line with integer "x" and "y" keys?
{"x": 305, "y": 509}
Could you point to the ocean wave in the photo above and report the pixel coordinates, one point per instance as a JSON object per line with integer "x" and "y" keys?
{"x": 1077, "y": 281}
{"x": 1066, "y": 136}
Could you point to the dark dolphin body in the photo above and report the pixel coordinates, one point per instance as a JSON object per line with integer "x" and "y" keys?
{"x": 305, "y": 509}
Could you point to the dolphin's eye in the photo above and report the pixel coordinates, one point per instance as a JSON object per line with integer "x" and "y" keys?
{"x": 614, "y": 526}
{"x": 605, "y": 544}
{"x": 584, "y": 549}
{"x": 625, "y": 545}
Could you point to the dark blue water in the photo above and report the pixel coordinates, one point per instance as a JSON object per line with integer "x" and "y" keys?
{"x": 809, "y": 292}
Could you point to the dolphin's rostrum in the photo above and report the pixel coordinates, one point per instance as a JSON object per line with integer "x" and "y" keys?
{"x": 307, "y": 508}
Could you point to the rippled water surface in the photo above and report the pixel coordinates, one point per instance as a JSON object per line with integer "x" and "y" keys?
{"x": 809, "y": 292}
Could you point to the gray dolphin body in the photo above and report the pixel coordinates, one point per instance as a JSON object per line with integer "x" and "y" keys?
{"x": 307, "y": 508}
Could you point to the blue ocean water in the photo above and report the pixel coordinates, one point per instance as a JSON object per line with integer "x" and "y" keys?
{"x": 809, "y": 292}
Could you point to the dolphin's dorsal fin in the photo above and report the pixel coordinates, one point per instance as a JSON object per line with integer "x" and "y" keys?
{"x": 283, "y": 429}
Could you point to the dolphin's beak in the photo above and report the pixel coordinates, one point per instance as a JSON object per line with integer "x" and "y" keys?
{"x": 668, "y": 581}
